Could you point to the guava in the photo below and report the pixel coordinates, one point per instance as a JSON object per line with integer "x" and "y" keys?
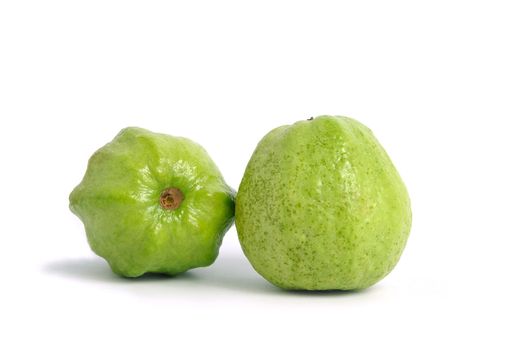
{"x": 153, "y": 203}
{"x": 322, "y": 207}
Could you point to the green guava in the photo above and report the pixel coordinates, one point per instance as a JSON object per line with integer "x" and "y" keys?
{"x": 153, "y": 203}
{"x": 321, "y": 207}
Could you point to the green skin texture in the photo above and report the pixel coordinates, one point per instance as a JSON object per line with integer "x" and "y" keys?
{"x": 321, "y": 207}
{"x": 119, "y": 203}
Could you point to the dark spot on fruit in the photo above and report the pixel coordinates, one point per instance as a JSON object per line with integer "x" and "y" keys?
{"x": 171, "y": 198}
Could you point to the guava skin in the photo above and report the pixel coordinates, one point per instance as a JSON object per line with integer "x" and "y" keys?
{"x": 322, "y": 207}
{"x": 119, "y": 201}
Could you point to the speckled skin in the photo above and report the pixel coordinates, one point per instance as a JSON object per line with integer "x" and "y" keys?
{"x": 118, "y": 202}
{"x": 321, "y": 207}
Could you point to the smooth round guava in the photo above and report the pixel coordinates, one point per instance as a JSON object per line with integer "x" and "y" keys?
{"x": 321, "y": 207}
{"x": 153, "y": 203}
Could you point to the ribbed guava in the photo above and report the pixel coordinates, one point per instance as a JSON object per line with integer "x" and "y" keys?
{"x": 321, "y": 207}
{"x": 153, "y": 203}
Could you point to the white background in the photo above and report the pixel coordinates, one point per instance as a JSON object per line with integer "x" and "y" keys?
{"x": 441, "y": 83}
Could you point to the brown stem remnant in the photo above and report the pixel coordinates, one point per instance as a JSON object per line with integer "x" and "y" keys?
{"x": 171, "y": 198}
